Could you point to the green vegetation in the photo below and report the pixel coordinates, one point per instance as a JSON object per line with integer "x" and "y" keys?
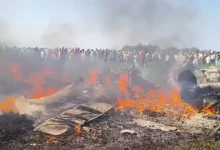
{"x": 201, "y": 145}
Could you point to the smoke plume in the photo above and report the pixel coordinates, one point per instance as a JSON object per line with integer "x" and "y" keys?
{"x": 148, "y": 21}
{"x": 109, "y": 24}
{"x": 58, "y": 35}
{"x": 6, "y": 35}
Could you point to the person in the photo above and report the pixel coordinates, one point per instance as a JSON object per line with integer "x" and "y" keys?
{"x": 106, "y": 55}
{"x": 146, "y": 58}
{"x": 63, "y": 56}
{"x": 167, "y": 59}
{"x": 92, "y": 55}
{"x": 114, "y": 55}
{"x": 135, "y": 61}
{"x": 42, "y": 54}
{"x": 217, "y": 59}
{"x": 208, "y": 59}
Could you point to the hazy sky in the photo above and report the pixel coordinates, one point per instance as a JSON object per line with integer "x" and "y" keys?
{"x": 110, "y": 23}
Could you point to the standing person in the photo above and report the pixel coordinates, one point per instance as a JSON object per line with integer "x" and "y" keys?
{"x": 110, "y": 56}
{"x": 167, "y": 59}
{"x": 208, "y": 59}
{"x": 212, "y": 58}
{"x": 82, "y": 54}
{"x": 141, "y": 57}
{"x": 96, "y": 54}
{"x": 63, "y": 55}
{"x": 200, "y": 58}
{"x": 57, "y": 53}
{"x": 106, "y": 55}
{"x": 46, "y": 53}
{"x": 176, "y": 57}
{"x": 114, "y": 55}
{"x": 196, "y": 59}
{"x": 36, "y": 51}
{"x": 217, "y": 59}
{"x": 135, "y": 62}
{"x": 42, "y": 54}
{"x": 92, "y": 56}
{"x": 147, "y": 57}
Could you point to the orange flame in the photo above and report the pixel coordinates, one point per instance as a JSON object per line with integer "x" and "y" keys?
{"x": 52, "y": 139}
{"x": 208, "y": 110}
{"x": 156, "y": 101}
{"x": 107, "y": 80}
{"x": 78, "y": 129}
{"x": 8, "y": 105}
{"x": 93, "y": 77}
{"x": 15, "y": 70}
{"x": 123, "y": 82}
{"x": 37, "y": 80}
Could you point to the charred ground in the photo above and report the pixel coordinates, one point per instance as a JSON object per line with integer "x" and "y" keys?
{"x": 17, "y": 133}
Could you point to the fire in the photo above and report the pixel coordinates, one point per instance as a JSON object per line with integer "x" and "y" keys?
{"x": 8, "y": 105}
{"x": 208, "y": 110}
{"x": 156, "y": 101}
{"x": 172, "y": 106}
{"x": 78, "y": 129}
{"x": 38, "y": 92}
{"x": 38, "y": 80}
{"x": 15, "y": 70}
{"x": 123, "y": 82}
{"x": 107, "y": 80}
{"x": 52, "y": 139}
{"x": 93, "y": 77}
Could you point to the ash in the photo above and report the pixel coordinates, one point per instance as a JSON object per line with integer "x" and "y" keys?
{"x": 13, "y": 128}
{"x": 17, "y": 134}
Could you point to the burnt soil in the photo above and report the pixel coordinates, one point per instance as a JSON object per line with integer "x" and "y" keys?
{"x": 16, "y": 133}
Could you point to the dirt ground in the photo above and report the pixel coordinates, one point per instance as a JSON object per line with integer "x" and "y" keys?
{"x": 17, "y": 134}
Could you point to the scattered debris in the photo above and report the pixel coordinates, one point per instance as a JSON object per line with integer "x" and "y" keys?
{"x": 53, "y": 129}
{"x": 127, "y": 132}
{"x": 73, "y": 118}
{"x": 154, "y": 125}
{"x": 33, "y": 144}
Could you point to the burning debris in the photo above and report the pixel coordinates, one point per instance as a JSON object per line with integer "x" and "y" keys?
{"x": 200, "y": 87}
{"x": 117, "y": 110}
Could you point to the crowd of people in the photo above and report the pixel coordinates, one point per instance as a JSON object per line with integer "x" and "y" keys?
{"x": 125, "y": 55}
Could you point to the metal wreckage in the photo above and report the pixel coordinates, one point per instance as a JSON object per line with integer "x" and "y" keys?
{"x": 119, "y": 111}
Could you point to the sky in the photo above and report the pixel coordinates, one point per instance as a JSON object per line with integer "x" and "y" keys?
{"x": 210, "y": 13}
{"x": 110, "y": 23}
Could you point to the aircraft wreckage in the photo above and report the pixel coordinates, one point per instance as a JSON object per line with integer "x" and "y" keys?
{"x": 81, "y": 105}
